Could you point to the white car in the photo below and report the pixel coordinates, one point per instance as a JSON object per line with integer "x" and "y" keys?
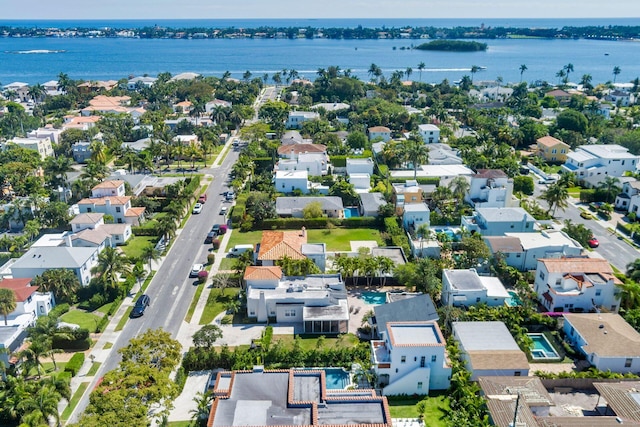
{"x": 197, "y": 268}
{"x": 223, "y": 210}
{"x": 197, "y": 208}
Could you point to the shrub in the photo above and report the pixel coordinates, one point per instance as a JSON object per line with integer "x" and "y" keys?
{"x": 223, "y": 229}
{"x": 102, "y": 324}
{"x": 59, "y": 310}
{"x": 71, "y": 339}
{"x": 216, "y": 244}
{"x": 98, "y": 300}
{"x": 391, "y": 226}
{"x": 75, "y": 363}
{"x": 65, "y": 376}
{"x": 246, "y": 226}
{"x": 211, "y": 258}
{"x": 202, "y": 276}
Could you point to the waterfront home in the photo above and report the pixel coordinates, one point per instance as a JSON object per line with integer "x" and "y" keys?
{"x": 411, "y": 358}
{"x": 30, "y": 304}
{"x": 379, "y": 132}
{"x": 37, "y": 260}
{"x": 491, "y": 188}
{"x": 619, "y": 98}
{"x": 370, "y": 203}
{"x": 465, "y": 288}
{"x": 488, "y": 349}
{"x": 592, "y": 163}
{"x": 139, "y": 82}
{"x": 42, "y": 145}
{"x": 317, "y": 303}
{"x": 291, "y": 397}
{"x": 297, "y": 118}
{"x": 21, "y": 90}
{"x": 577, "y": 285}
{"x": 94, "y": 86}
{"x": 276, "y": 245}
{"x": 331, "y": 206}
{"x": 107, "y": 104}
{"x": 498, "y": 221}
{"x": 552, "y": 149}
{"x": 430, "y": 133}
{"x": 559, "y": 95}
{"x": 605, "y": 339}
{"x": 523, "y": 250}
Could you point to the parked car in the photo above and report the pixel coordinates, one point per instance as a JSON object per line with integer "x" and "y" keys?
{"x": 238, "y": 250}
{"x": 202, "y": 199}
{"x": 223, "y": 210}
{"x": 141, "y": 305}
{"x": 210, "y": 236}
{"x": 197, "y": 208}
{"x": 593, "y": 242}
{"x": 230, "y": 196}
{"x": 197, "y": 268}
{"x": 586, "y": 215}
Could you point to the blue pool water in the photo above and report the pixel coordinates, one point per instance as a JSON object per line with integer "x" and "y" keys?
{"x": 514, "y": 300}
{"x": 351, "y": 212}
{"x": 542, "y": 348}
{"x": 337, "y": 378}
{"x": 374, "y": 298}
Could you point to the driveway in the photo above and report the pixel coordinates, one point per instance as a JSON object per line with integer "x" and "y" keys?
{"x": 184, "y": 404}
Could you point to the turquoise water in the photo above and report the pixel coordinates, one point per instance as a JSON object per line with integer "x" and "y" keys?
{"x": 514, "y": 300}
{"x": 542, "y": 348}
{"x": 351, "y": 212}
{"x": 337, "y": 378}
{"x": 374, "y": 298}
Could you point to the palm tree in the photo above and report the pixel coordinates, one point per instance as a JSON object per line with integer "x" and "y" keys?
{"x": 586, "y": 81}
{"x": 246, "y": 76}
{"x": 415, "y": 151}
{"x": 459, "y": 188}
{"x": 616, "y": 71}
{"x": 111, "y": 265}
{"x": 630, "y": 294}
{"x": 633, "y": 270}
{"x": 36, "y": 92}
{"x": 474, "y": 70}
{"x": 421, "y": 66}
{"x": 37, "y": 348}
{"x": 568, "y": 69}
{"x": 556, "y": 196}
{"x": 523, "y": 68}
{"x": 7, "y": 303}
{"x": 56, "y": 169}
{"x": 98, "y": 152}
{"x": 197, "y": 108}
{"x": 150, "y": 253}
{"x": 408, "y": 72}
{"x": 610, "y": 187}
{"x": 167, "y": 227}
{"x": 42, "y": 405}
{"x": 202, "y": 409}
{"x": 560, "y": 75}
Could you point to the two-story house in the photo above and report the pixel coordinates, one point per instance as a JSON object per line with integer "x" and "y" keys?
{"x": 498, "y": 221}
{"x": 37, "y": 260}
{"x": 42, "y": 145}
{"x": 316, "y": 164}
{"x": 406, "y": 193}
{"x": 317, "y": 303}
{"x": 88, "y": 222}
{"x": 289, "y": 181}
{"x": 619, "y": 98}
{"x": 411, "y": 358}
{"x": 592, "y": 163}
{"x": 30, "y": 304}
{"x": 465, "y": 288}
{"x": 430, "y": 133}
{"x": 379, "y": 132}
{"x": 491, "y": 188}
{"x": 552, "y": 149}
{"x": 577, "y": 285}
{"x": 415, "y": 215}
{"x": 109, "y": 198}
{"x": 297, "y": 118}
{"x": 629, "y": 199}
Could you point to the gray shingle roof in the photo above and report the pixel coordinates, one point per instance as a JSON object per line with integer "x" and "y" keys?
{"x": 287, "y": 205}
{"x": 54, "y": 257}
{"x": 418, "y": 308}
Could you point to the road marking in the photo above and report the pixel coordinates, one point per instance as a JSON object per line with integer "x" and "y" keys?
{"x": 175, "y": 290}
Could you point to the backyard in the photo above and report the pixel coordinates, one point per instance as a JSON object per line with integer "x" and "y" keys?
{"x": 81, "y": 318}
{"x": 310, "y": 342}
{"x": 136, "y": 244}
{"x": 336, "y": 239}
{"x": 436, "y": 405}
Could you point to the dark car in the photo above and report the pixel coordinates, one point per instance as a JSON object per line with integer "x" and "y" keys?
{"x": 215, "y": 229}
{"x": 210, "y": 236}
{"x": 141, "y": 305}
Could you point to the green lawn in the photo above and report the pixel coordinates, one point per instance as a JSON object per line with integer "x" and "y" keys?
{"x": 105, "y": 308}
{"x": 574, "y": 191}
{"x": 74, "y": 400}
{"x": 309, "y": 342}
{"x": 81, "y": 318}
{"x": 227, "y": 264}
{"x": 337, "y": 239}
{"x": 107, "y": 345}
{"x": 194, "y": 302}
{"x": 437, "y": 403}
{"x": 136, "y": 244}
{"x": 180, "y": 424}
{"x": 216, "y": 302}
{"x": 124, "y": 319}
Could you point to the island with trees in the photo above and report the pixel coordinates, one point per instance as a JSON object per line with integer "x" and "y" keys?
{"x": 453, "y": 46}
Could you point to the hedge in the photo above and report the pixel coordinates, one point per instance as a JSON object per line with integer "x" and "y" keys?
{"x": 144, "y": 230}
{"x": 59, "y": 310}
{"x": 315, "y": 223}
{"x": 75, "y": 363}
{"x": 72, "y": 339}
{"x": 65, "y": 376}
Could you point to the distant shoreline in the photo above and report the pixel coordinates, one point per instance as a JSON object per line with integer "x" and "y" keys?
{"x": 610, "y": 32}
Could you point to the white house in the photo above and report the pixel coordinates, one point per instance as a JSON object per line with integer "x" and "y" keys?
{"x": 30, "y": 304}
{"x": 119, "y": 233}
{"x": 489, "y": 349}
{"x": 628, "y": 199}
{"x": 46, "y": 132}
{"x": 430, "y": 133}
{"x": 416, "y": 215}
{"x": 523, "y": 250}
{"x": 289, "y": 181}
{"x": 605, "y": 339}
{"x": 316, "y": 164}
{"x": 498, "y": 221}
{"x": 297, "y": 118}
{"x": 491, "y": 188}
{"x": 108, "y": 198}
{"x": 109, "y": 188}
{"x": 592, "y": 163}
{"x": 317, "y": 303}
{"x": 38, "y": 260}
{"x": 81, "y": 151}
{"x": 445, "y": 172}
{"x": 379, "y": 132}
{"x": 443, "y": 154}
{"x": 294, "y": 206}
{"x": 361, "y": 182}
{"x": 577, "y": 285}
{"x": 360, "y": 166}
{"x": 21, "y": 89}
{"x": 619, "y": 97}
{"x": 411, "y": 358}
{"x": 466, "y": 288}
{"x": 42, "y": 145}
{"x": 137, "y": 82}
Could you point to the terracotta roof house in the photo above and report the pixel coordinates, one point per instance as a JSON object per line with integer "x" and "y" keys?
{"x": 292, "y": 151}
{"x": 275, "y": 245}
{"x": 552, "y": 149}
{"x": 382, "y": 132}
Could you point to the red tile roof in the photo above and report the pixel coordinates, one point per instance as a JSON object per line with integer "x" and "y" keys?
{"x": 278, "y": 244}
{"x": 20, "y": 287}
{"x": 262, "y": 273}
{"x": 115, "y": 183}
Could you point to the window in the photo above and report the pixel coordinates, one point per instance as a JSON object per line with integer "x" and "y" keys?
{"x": 422, "y": 361}
{"x": 517, "y": 373}
{"x": 558, "y": 282}
{"x": 554, "y": 151}
{"x": 598, "y": 292}
{"x": 403, "y": 359}
{"x": 419, "y": 385}
{"x": 290, "y": 313}
{"x": 252, "y": 313}
{"x": 89, "y": 210}
{"x": 542, "y": 275}
{"x": 118, "y": 209}
{"x": 478, "y": 299}
{"x": 627, "y": 363}
{"x": 434, "y": 358}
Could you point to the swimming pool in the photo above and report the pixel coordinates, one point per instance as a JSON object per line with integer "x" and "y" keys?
{"x": 514, "y": 300}
{"x": 351, "y": 212}
{"x": 374, "y": 298}
{"x": 337, "y": 378}
{"x": 541, "y": 349}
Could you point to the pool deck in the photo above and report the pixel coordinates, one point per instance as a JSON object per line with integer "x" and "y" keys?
{"x": 358, "y": 308}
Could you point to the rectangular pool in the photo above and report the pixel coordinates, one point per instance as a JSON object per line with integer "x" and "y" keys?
{"x": 541, "y": 349}
{"x": 374, "y": 298}
{"x": 351, "y": 212}
{"x": 337, "y": 378}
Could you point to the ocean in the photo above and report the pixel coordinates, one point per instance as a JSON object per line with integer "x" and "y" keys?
{"x": 36, "y": 60}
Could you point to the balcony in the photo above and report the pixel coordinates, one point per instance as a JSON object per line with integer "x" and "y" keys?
{"x": 380, "y": 355}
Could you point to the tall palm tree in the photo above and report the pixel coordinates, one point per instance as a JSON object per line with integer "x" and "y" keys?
{"x": 42, "y": 405}
{"x": 98, "y": 152}
{"x": 556, "y": 196}
{"x": 586, "y": 81}
{"x": 568, "y": 69}
{"x": 31, "y": 355}
{"x": 421, "y": 66}
{"x": 7, "y": 303}
{"x": 616, "y": 71}
{"x": 523, "y": 68}
{"x": 415, "y": 151}
{"x": 474, "y": 70}
{"x": 408, "y": 72}
{"x": 36, "y": 93}
{"x": 167, "y": 227}
{"x": 150, "y": 253}
{"x": 459, "y": 188}
{"x": 610, "y": 187}
{"x": 111, "y": 265}
{"x": 202, "y": 409}
{"x": 630, "y": 293}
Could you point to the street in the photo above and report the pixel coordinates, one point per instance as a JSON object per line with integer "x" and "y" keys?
{"x": 171, "y": 290}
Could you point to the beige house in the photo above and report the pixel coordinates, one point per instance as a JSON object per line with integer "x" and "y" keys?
{"x": 552, "y": 149}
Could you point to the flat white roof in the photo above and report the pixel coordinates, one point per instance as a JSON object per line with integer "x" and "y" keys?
{"x": 580, "y": 156}
{"x": 291, "y": 174}
{"x": 439, "y": 171}
{"x": 475, "y": 336}
{"x": 609, "y": 151}
{"x": 428, "y": 127}
{"x": 494, "y": 287}
{"x": 414, "y": 334}
{"x": 543, "y": 239}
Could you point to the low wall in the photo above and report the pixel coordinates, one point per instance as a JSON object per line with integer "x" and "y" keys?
{"x": 578, "y": 383}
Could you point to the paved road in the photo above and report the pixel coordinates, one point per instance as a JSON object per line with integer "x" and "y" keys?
{"x": 612, "y": 247}
{"x": 171, "y": 290}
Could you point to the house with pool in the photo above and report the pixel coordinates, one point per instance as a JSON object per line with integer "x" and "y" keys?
{"x": 465, "y": 288}
{"x": 498, "y": 221}
{"x": 489, "y": 349}
{"x": 315, "y": 304}
{"x": 292, "y": 398}
{"x": 411, "y": 358}
{"x": 607, "y": 341}
{"x": 577, "y": 285}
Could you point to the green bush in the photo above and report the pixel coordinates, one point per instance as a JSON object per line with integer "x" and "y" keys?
{"x": 146, "y": 230}
{"x": 74, "y": 364}
{"x": 65, "y": 376}
{"x": 59, "y": 310}
{"x": 587, "y": 195}
{"x": 211, "y": 258}
{"x": 391, "y": 226}
{"x": 523, "y": 184}
{"x": 315, "y": 223}
{"x": 71, "y": 339}
{"x": 102, "y": 325}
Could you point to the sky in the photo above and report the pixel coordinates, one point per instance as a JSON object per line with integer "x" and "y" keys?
{"x": 217, "y": 9}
